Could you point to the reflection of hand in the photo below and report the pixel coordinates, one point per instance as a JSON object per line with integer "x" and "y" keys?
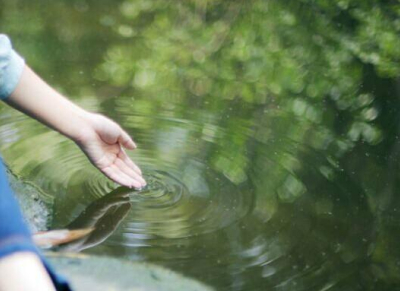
{"x": 103, "y": 216}
{"x": 102, "y": 141}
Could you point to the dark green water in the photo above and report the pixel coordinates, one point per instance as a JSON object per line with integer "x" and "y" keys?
{"x": 268, "y": 133}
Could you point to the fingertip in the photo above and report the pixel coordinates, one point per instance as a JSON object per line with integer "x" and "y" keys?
{"x": 132, "y": 145}
{"x": 137, "y": 185}
{"x": 142, "y": 181}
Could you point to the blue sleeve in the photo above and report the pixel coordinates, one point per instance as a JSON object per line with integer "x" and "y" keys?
{"x": 11, "y": 66}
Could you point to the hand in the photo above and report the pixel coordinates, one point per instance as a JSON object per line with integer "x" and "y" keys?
{"x": 102, "y": 140}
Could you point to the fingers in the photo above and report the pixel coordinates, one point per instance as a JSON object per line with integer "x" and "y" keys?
{"x": 114, "y": 173}
{"x": 128, "y": 171}
{"x": 126, "y": 141}
{"x": 123, "y": 156}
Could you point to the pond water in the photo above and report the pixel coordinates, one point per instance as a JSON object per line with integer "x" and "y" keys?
{"x": 268, "y": 134}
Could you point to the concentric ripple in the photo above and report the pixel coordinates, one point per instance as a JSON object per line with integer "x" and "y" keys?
{"x": 161, "y": 184}
{"x": 172, "y": 209}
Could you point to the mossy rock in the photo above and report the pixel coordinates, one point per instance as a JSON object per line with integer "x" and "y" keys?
{"x": 34, "y": 203}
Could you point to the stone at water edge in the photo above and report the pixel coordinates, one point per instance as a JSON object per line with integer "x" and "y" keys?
{"x": 109, "y": 274}
{"x": 35, "y": 205}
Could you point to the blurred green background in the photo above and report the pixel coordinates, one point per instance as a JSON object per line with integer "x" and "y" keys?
{"x": 292, "y": 106}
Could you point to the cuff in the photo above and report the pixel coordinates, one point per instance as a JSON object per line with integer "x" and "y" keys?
{"x": 12, "y": 74}
{"x": 11, "y": 67}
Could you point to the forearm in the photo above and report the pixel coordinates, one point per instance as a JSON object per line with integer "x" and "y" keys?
{"x": 37, "y": 99}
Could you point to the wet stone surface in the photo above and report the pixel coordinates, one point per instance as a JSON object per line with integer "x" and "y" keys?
{"x": 107, "y": 274}
{"x": 33, "y": 203}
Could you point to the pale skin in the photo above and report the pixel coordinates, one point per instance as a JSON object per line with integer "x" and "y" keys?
{"x": 101, "y": 139}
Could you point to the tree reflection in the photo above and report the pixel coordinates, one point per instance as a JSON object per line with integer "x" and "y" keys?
{"x": 295, "y": 102}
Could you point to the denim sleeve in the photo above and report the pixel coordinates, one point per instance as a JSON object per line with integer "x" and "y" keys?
{"x": 11, "y": 66}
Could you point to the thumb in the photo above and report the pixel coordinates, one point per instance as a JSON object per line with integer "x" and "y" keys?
{"x": 126, "y": 141}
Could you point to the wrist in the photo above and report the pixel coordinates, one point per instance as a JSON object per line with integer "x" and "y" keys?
{"x": 81, "y": 126}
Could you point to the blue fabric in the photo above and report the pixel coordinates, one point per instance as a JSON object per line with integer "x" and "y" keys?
{"x": 14, "y": 234}
{"x": 11, "y": 67}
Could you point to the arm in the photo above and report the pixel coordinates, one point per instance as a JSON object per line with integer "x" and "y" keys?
{"x": 101, "y": 139}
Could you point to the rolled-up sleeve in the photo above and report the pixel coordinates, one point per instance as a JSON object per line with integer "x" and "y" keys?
{"x": 11, "y": 67}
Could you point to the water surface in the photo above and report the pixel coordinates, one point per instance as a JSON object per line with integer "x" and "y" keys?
{"x": 268, "y": 135}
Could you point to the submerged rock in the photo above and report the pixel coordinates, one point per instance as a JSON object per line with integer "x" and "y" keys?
{"x": 108, "y": 274}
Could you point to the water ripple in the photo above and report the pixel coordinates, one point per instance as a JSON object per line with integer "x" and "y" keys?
{"x": 232, "y": 203}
